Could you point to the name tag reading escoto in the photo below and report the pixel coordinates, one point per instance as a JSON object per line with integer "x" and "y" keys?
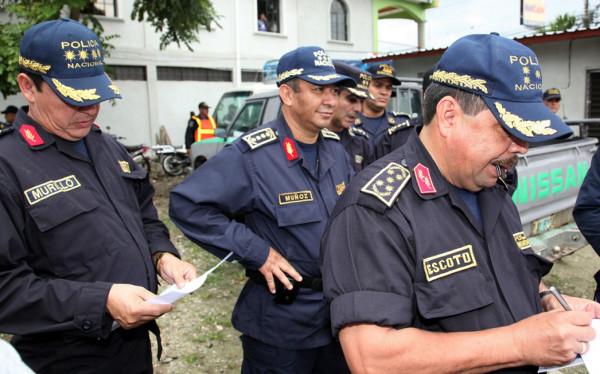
{"x": 448, "y": 263}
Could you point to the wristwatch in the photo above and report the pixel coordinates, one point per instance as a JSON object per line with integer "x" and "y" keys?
{"x": 544, "y": 293}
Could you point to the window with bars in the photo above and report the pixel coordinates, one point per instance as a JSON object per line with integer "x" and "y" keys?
{"x": 593, "y": 99}
{"x": 126, "y": 72}
{"x": 173, "y": 73}
{"x": 251, "y": 75}
{"x": 268, "y": 15}
{"x": 339, "y": 24}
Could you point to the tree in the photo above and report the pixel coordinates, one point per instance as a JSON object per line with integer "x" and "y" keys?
{"x": 178, "y": 21}
{"x": 563, "y": 22}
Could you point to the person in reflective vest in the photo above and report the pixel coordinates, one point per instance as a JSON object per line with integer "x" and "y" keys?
{"x": 200, "y": 127}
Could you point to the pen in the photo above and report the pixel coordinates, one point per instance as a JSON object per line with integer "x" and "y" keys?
{"x": 560, "y": 299}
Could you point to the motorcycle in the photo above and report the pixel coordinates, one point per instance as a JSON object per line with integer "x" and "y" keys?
{"x": 175, "y": 161}
{"x": 139, "y": 153}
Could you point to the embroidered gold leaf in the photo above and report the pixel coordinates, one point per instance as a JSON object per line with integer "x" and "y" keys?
{"x": 289, "y": 73}
{"x": 527, "y": 128}
{"x": 112, "y": 86}
{"x": 323, "y": 77}
{"x": 77, "y": 95}
{"x": 33, "y": 65}
{"x": 460, "y": 80}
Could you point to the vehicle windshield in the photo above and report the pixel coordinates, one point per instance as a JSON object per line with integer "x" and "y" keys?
{"x": 247, "y": 120}
{"x": 227, "y": 106}
{"x": 406, "y": 101}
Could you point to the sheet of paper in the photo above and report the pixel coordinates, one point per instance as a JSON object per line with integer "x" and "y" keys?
{"x": 174, "y": 293}
{"x": 591, "y": 358}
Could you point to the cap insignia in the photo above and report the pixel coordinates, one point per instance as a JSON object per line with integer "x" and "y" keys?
{"x": 527, "y": 128}
{"x": 290, "y": 73}
{"x": 260, "y": 138}
{"x": 290, "y": 149}
{"x": 398, "y": 127}
{"x": 77, "y": 95}
{"x": 424, "y": 179}
{"x": 323, "y": 77}
{"x": 460, "y": 80}
{"x": 388, "y": 183}
{"x": 29, "y": 133}
{"x": 34, "y": 65}
{"x": 329, "y": 134}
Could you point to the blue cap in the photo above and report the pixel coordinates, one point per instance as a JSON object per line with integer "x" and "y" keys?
{"x": 362, "y": 78}
{"x": 383, "y": 70}
{"x": 507, "y": 76}
{"x": 311, "y": 64}
{"x": 69, "y": 57}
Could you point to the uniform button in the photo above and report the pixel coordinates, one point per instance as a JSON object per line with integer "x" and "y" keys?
{"x": 86, "y": 325}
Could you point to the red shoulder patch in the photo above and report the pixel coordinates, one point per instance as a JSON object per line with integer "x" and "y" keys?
{"x": 424, "y": 179}
{"x": 30, "y": 135}
{"x": 290, "y": 149}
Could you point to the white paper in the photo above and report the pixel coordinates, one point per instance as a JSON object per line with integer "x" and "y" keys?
{"x": 174, "y": 293}
{"x": 592, "y": 356}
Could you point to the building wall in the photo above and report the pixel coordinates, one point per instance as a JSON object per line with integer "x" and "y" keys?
{"x": 147, "y": 105}
{"x": 564, "y": 65}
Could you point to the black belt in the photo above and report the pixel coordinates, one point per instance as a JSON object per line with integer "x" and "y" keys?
{"x": 315, "y": 284}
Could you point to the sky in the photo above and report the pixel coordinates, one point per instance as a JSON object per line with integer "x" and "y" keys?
{"x": 455, "y": 18}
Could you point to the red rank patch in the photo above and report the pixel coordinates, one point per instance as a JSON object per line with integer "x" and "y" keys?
{"x": 424, "y": 179}
{"x": 31, "y": 136}
{"x": 290, "y": 149}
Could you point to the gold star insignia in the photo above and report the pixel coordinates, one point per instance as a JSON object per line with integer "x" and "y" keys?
{"x": 83, "y": 54}
{"x": 69, "y": 55}
{"x": 526, "y": 70}
{"x": 526, "y": 80}
{"x": 538, "y": 74}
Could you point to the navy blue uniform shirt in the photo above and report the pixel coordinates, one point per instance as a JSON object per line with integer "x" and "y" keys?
{"x": 426, "y": 263}
{"x": 286, "y": 202}
{"x": 71, "y": 227}
{"x": 377, "y": 127}
{"x": 356, "y": 143}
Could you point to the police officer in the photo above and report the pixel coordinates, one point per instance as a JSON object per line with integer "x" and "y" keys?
{"x": 200, "y": 127}
{"x": 9, "y": 115}
{"x": 354, "y": 140}
{"x": 285, "y": 176}
{"x": 587, "y": 211}
{"x": 398, "y": 134}
{"x": 79, "y": 231}
{"x": 375, "y": 119}
{"x": 450, "y": 282}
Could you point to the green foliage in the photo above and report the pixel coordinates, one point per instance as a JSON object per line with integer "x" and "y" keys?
{"x": 563, "y": 22}
{"x": 181, "y": 20}
{"x": 178, "y": 20}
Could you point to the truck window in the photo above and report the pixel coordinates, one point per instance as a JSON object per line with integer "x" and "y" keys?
{"x": 228, "y": 105}
{"x": 247, "y": 119}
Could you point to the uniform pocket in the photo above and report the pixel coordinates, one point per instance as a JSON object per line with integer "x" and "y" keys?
{"x": 298, "y": 213}
{"x": 453, "y": 294}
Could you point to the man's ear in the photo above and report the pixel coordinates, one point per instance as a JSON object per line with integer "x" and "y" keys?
{"x": 448, "y": 112}
{"x": 27, "y": 87}
{"x": 285, "y": 93}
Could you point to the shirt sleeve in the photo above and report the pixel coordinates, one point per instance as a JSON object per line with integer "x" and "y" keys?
{"x": 189, "y": 133}
{"x": 367, "y": 278}
{"x": 34, "y": 304}
{"x": 201, "y": 206}
{"x": 587, "y": 207}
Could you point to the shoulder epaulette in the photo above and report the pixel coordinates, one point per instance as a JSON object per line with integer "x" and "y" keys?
{"x": 388, "y": 183}
{"x": 6, "y": 130}
{"x": 399, "y": 126}
{"x": 400, "y": 114}
{"x": 357, "y": 121}
{"x": 354, "y": 130}
{"x": 259, "y": 138}
{"x": 329, "y": 134}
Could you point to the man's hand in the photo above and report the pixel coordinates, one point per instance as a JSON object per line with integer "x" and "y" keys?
{"x": 174, "y": 270}
{"x": 277, "y": 266}
{"x": 576, "y": 303}
{"x": 126, "y": 305}
{"x": 555, "y": 337}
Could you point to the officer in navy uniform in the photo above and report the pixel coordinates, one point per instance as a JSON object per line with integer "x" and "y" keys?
{"x": 9, "y": 114}
{"x": 587, "y": 211}
{"x": 375, "y": 119}
{"x": 286, "y": 177}
{"x": 79, "y": 231}
{"x": 450, "y": 281}
{"x": 354, "y": 140}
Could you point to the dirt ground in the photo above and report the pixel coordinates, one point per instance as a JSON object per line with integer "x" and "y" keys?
{"x": 198, "y": 337}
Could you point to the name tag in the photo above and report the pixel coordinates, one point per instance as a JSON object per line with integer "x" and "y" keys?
{"x": 448, "y": 263}
{"x": 295, "y": 197}
{"x": 40, "y": 192}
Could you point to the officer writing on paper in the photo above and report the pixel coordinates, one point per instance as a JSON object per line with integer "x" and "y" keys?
{"x": 450, "y": 282}
{"x": 79, "y": 231}
{"x": 285, "y": 177}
